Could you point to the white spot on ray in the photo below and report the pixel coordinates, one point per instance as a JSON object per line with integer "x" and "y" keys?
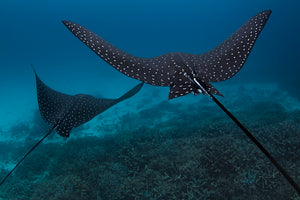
{"x": 219, "y": 64}
{"x": 70, "y": 111}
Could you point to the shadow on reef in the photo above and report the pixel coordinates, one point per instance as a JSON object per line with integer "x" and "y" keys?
{"x": 185, "y": 154}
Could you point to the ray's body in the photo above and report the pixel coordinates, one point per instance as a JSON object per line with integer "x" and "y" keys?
{"x": 69, "y": 111}
{"x": 173, "y": 69}
{"x": 65, "y": 112}
{"x": 185, "y": 73}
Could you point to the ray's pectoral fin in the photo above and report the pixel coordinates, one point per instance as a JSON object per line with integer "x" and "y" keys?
{"x": 186, "y": 85}
{"x": 177, "y": 90}
{"x": 52, "y": 104}
{"x": 130, "y": 93}
{"x": 210, "y": 88}
{"x": 85, "y": 107}
{"x": 64, "y": 129}
{"x": 224, "y": 61}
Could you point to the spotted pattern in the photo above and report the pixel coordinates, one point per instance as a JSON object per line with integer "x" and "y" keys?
{"x": 172, "y": 69}
{"x": 224, "y": 61}
{"x": 72, "y": 111}
{"x": 149, "y": 70}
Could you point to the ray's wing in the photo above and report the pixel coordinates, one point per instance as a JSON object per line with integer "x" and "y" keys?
{"x": 52, "y": 104}
{"x": 171, "y": 69}
{"x": 130, "y": 93}
{"x": 86, "y": 107}
{"x": 224, "y": 61}
{"x": 155, "y": 71}
{"x": 221, "y": 63}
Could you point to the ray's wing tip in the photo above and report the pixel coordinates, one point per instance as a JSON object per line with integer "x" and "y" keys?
{"x": 35, "y": 73}
{"x": 67, "y": 23}
{"x": 139, "y": 86}
{"x": 33, "y": 69}
{"x": 267, "y": 13}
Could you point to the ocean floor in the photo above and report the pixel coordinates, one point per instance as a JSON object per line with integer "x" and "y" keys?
{"x": 149, "y": 147}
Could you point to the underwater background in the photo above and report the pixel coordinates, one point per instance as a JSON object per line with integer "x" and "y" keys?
{"x": 148, "y": 147}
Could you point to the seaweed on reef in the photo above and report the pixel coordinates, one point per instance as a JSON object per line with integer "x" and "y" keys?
{"x": 193, "y": 159}
{"x": 295, "y": 116}
{"x": 159, "y": 110}
{"x": 149, "y": 117}
{"x": 261, "y": 114}
{"x": 4, "y": 148}
{"x": 66, "y": 187}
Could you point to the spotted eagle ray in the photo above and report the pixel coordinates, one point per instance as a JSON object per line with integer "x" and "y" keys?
{"x": 173, "y": 69}
{"x": 185, "y": 73}
{"x": 65, "y": 112}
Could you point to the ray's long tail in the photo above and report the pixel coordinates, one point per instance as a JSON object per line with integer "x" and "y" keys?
{"x": 11, "y": 171}
{"x": 203, "y": 87}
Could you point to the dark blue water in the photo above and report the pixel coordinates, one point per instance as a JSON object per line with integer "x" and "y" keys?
{"x": 32, "y": 33}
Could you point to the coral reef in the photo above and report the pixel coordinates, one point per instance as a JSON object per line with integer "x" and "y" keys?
{"x": 168, "y": 151}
